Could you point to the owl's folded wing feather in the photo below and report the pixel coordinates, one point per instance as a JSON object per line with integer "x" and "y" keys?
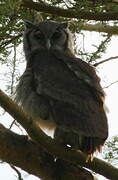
{"x": 75, "y": 95}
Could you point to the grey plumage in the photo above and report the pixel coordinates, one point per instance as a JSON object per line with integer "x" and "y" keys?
{"x": 61, "y": 89}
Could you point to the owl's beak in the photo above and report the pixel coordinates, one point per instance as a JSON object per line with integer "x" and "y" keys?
{"x": 48, "y": 44}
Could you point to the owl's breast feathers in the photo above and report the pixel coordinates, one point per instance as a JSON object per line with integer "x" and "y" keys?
{"x": 74, "y": 91}
{"x": 71, "y": 94}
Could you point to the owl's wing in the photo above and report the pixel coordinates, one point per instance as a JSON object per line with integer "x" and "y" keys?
{"x": 85, "y": 72}
{"x": 75, "y": 95}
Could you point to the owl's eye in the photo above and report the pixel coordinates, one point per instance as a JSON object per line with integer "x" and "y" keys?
{"x": 39, "y": 35}
{"x": 57, "y": 34}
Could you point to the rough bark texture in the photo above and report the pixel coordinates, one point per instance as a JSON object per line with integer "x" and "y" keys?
{"x": 22, "y": 152}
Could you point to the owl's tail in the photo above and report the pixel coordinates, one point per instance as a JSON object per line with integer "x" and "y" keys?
{"x": 88, "y": 145}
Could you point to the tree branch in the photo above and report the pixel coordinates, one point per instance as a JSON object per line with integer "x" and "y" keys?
{"x": 19, "y": 151}
{"x": 26, "y": 154}
{"x": 100, "y": 28}
{"x": 17, "y": 171}
{"x": 68, "y": 13}
{"x": 101, "y": 48}
{"x": 106, "y": 60}
{"x": 7, "y": 42}
{"x": 111, "y": 84}
{"x": 51, "y": 146}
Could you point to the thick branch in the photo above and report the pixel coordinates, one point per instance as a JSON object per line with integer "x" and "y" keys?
{"x": 22, "y": 152}
{"x": 68, "y": 13}
{"x": 100, "y": 28}
{"x": 51, "y": 146}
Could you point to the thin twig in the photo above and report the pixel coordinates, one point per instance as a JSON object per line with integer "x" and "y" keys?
{"x": 13, "y": 70}
{"x": 7, "y": 42}
{"x": 17, "y": 171}
{"x": 12, "y": 124}
{"x": 111, "y": 84}
{"x": 100, "y": 49}
{"x": 103, "y": 61}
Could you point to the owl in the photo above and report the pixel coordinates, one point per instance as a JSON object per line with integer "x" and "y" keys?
{"x": 60, "y": 91}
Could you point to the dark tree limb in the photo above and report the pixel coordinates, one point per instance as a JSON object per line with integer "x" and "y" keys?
{"x": 68, "y": 13}
{"x": 22, "y": 152}
{"x": 51, "y": 146}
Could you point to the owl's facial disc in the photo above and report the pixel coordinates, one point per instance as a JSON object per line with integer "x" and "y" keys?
{"x": 50, "y": 39}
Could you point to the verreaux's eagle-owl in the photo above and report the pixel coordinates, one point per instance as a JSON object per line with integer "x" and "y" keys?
{"x": 61, "y": 89}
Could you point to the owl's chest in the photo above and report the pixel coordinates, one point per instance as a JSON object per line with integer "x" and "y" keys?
{"x": 53, "y": 74}
{"x": 48, "y": 69}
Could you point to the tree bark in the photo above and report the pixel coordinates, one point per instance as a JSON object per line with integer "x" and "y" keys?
{"x": 24, "y": 153}
{"x": 68, "y": 13}
{"x": 100, "y": 28}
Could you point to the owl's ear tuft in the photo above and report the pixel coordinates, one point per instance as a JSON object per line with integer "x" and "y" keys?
{"x": 28, "y": 24}
{"x": 64, "y": 25}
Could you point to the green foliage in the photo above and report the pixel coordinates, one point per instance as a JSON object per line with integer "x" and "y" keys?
{"x": 100, "y": 50}
{"x": 12, "y": 15}
{"x": 111, "y": 150}
{"x": 11, "y": 25}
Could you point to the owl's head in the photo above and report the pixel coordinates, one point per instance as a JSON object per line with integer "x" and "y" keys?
{"x": 47, "y": 35}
